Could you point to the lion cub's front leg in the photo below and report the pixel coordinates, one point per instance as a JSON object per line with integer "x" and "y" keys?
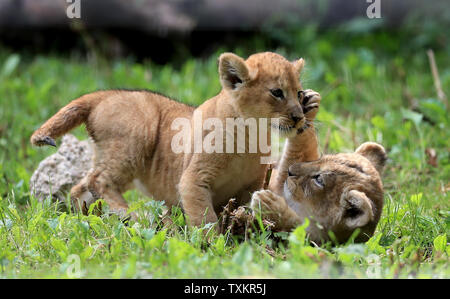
{"x": 275, "y": 208}
{"x": 196, "y": 197}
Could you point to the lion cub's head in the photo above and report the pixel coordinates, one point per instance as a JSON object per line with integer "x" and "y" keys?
{"x": 266, "y": 85}
{"x": 339, "y": 193}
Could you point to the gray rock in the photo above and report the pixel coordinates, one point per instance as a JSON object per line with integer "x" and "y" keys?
{"x": 57, "y": 173}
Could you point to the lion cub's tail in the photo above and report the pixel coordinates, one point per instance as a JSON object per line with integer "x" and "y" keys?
{"x": 69, "y": 117}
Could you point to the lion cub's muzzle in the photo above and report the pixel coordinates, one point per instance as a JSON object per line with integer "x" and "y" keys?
{"x": 296, "y": 174}
{"x": 298, "y": 119}
{"x": 297, "y": 116}
{"x": 302, "y": 169}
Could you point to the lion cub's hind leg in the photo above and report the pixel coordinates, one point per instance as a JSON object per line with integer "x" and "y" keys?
{"x": 104, "y": 184}
{"x": 112, "y": 175}
{"x": 80, "y": 196}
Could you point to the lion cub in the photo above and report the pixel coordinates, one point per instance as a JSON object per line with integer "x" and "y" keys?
{"x": 132, "y": 133}
{"x": 338, "y": 193}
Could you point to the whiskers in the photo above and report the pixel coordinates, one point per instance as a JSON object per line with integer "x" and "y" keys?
{"x": 307, "y": 192}
{"x": 286, "y": 130}
{"x": 317, "y": 124}
{"x": 308, "y": 124}
{"x": 283, "y": 129}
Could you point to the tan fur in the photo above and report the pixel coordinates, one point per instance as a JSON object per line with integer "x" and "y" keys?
{"x": 132, "y": 135}
{"x": 351, "y": 196}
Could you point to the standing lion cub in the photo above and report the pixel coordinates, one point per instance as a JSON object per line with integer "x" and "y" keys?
{"x": 132, "y": 135}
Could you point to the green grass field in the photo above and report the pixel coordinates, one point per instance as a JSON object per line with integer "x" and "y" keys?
{"x": 376, "y": 88}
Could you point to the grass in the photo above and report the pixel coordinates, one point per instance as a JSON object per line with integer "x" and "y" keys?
{"x": 373, "y": 89}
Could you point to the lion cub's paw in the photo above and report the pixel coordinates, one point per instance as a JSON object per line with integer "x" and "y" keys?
{"x": 269, "y": 204}
{"x": 310, "y": 103}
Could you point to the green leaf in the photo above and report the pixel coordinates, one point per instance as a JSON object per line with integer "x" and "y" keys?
{"x": 440, "y": 242}
{"x": 86, "y": 253}
{"x": 219, "y": 246}
{"x": 374, "y": 244}
{"x": 416, "y": 198}
{"x": 10, "y": 65}
{"x": 158, "y": 240}
{"x": 415, "y": 117}
{"x": 243, "y": 256}
{"x": 434, "y": 109}
{"x": 298, "y": 236}
{"x": 148, "y": 233}
{"x": 378, "y": 122}
{"x": 59, "y": 246}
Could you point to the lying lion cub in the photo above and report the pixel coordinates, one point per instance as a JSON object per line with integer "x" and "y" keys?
{"x": 132, "y": 133}
{"x": 338, "y": 193}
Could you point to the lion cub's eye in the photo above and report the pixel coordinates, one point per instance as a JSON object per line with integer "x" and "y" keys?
{"x": 318, "y": 180}
{"x": 278, "y": 93}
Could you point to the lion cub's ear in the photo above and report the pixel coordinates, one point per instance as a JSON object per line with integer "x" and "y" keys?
{"x": 299, "y": 65}
{"x": 357, "y": 209}
{"x": 233, "y": 71}
{"x": 375, "y": 153}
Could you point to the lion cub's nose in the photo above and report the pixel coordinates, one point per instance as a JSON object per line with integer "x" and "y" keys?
{"x": 290, "y": 172}
{"x": 296, "y": 169}
{"x": 297, "y": 117}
